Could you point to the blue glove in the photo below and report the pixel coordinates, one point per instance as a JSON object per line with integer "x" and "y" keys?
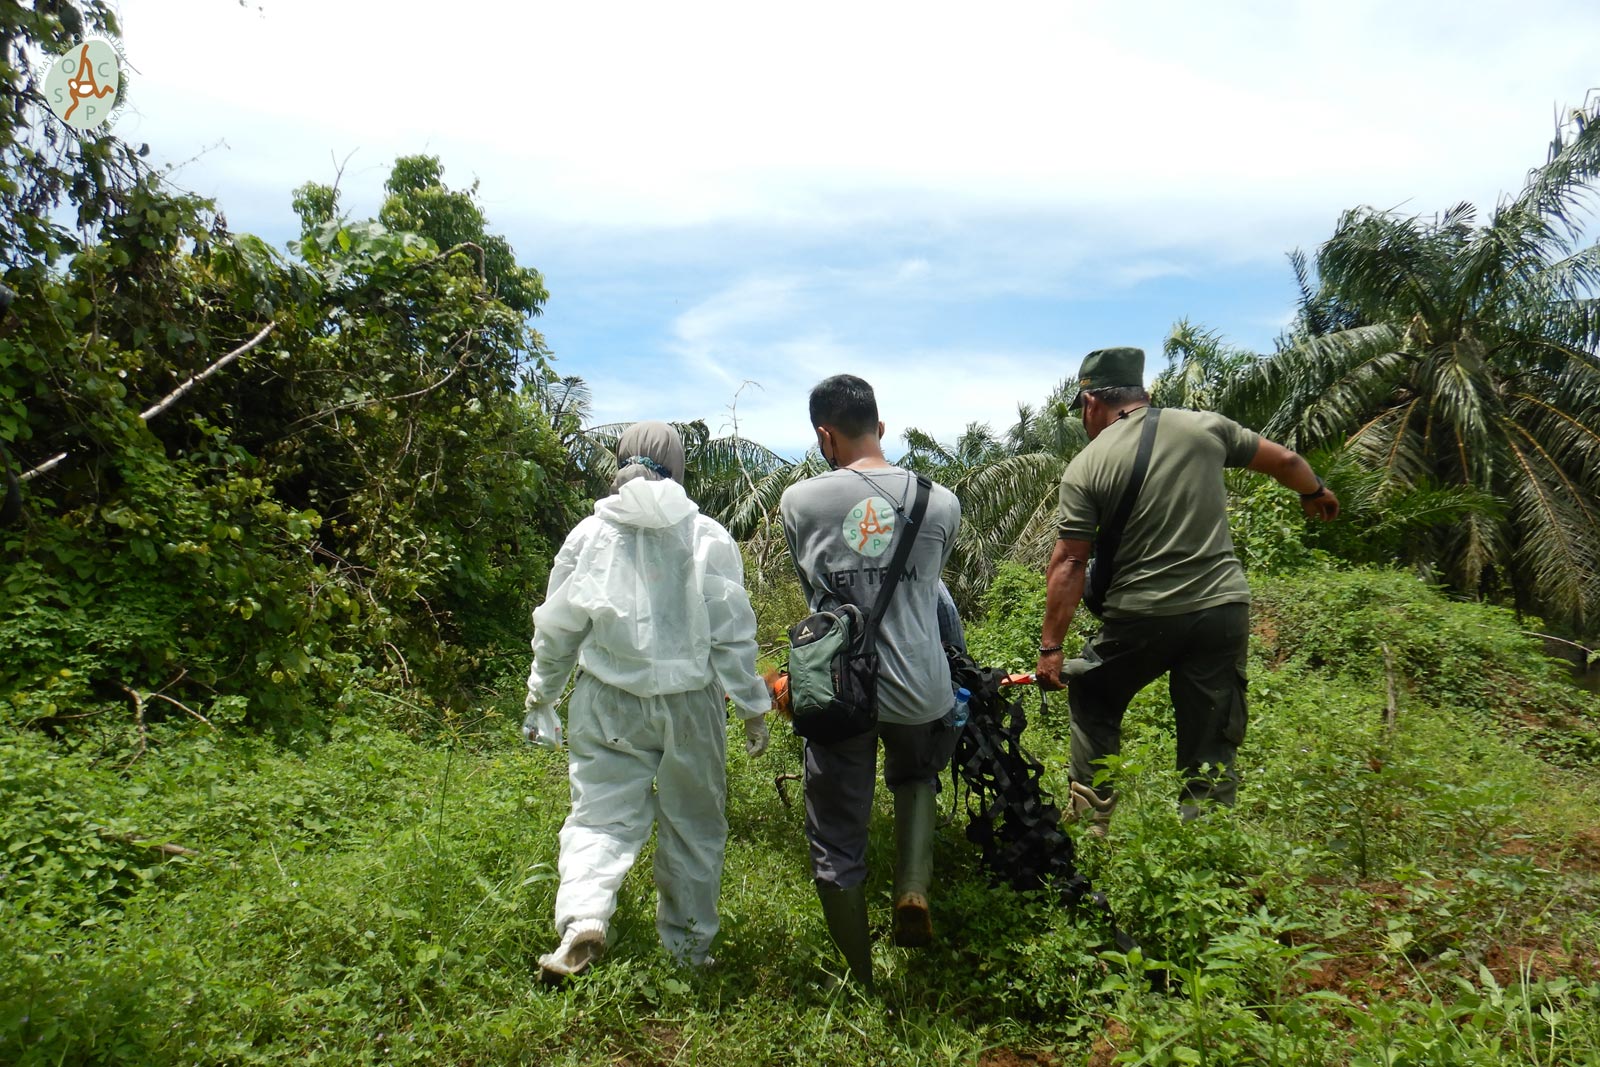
{"x": 542, "y": 727}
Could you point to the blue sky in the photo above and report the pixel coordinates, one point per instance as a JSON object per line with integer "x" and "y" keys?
{"x": 955, "y": 201}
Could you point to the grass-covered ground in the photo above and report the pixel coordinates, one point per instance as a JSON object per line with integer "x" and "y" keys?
{"x": 1418, "y": 885}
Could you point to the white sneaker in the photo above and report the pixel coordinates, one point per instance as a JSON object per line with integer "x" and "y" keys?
{"x": 583, "y": 943}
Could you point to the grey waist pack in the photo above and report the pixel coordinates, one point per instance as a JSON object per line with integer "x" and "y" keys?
{"x": 833, "y": 657}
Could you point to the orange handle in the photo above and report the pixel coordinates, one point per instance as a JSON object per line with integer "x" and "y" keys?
{"x": 1017, "y": 679}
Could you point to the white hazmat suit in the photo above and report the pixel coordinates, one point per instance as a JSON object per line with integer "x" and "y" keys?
{"x": 647, "y": 596}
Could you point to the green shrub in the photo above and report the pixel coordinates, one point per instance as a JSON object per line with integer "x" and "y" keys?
{"x": 1013, "y": 611}
{"x": 1377, "y": 626}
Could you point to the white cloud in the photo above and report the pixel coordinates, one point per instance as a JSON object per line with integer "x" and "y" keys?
{"x": 1145, "y": 270}
{"x": 1193, "y": 118}
{"x": 848, "y": 172}
{"x": 751, "y": 353}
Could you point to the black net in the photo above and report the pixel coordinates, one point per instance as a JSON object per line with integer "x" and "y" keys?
{"x": 1010, "y": 816}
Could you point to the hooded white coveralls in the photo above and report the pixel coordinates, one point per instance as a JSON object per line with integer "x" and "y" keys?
{"x": 647, "y": 595}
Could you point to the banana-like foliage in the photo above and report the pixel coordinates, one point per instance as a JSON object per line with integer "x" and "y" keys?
{"x": 1007, "y": 486}
{"x": 1446, "y": 353}
{"x": 1199, "y": 368}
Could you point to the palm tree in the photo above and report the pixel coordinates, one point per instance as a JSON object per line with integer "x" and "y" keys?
{"x": 1199, "y": 367}
{"x": 1008, "y": 490}
{"x": 1441, "y": 351}
{"x": 733, "y": 479}
{"x": 949, "y": 465}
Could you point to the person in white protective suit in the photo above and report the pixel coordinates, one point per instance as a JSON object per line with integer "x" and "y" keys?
{"x": 647, "y": 596}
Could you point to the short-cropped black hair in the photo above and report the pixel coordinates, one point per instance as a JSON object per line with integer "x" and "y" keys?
{"x": 845, "y": 403}
{"x": 1112, "y": 395}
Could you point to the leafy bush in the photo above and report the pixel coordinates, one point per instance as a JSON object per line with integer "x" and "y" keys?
{"x": 1376, "y": 626}
{"x": 1013, "y": 611}
{"x": 66, "y": 847}
{"x": 309, "y": 517}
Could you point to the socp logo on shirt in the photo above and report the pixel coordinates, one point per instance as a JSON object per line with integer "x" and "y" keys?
{"x": 869, "y": 526}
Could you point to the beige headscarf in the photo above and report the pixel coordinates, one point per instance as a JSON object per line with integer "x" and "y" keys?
{"x": 655, "y": 441}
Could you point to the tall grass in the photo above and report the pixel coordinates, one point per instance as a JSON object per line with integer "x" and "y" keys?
{"x": 1417, "y": 893}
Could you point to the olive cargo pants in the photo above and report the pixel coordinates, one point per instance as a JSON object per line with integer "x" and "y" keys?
{"x": 1203, "y": 653}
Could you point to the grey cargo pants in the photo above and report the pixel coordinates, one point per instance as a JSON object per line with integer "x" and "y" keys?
{"x": 839, "y": 782}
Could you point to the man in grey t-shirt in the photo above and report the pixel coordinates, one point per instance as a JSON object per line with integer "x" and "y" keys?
{"x": 842, "y": 527}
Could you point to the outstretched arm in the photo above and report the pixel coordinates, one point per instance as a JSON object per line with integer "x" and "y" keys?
{"x": 1289, "y": 469}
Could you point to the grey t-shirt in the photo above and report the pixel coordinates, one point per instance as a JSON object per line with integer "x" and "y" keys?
{"x": 1176, "y": 554}
{"x": 841, "y": 528}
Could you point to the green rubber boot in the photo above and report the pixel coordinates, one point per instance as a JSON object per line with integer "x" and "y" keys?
{"x": 846, "y": 913}
{"x": 915, "y": 813}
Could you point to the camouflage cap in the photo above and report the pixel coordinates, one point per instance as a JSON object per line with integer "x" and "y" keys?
{"x": 1109, "y": 368}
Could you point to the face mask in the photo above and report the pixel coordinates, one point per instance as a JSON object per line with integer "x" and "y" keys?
{"x": 833, "y": 464}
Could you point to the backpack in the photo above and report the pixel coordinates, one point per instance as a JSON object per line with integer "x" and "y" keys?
{"x": 833, "y": 656}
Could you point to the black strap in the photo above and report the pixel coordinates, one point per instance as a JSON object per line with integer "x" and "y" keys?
{"x": 1109, "y": 537}
{"x": 897, "y": 562}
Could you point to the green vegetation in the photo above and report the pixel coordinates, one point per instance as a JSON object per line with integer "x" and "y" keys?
{"x": 242, "y": 477}
{"x": 263, "y": 627}
{"x": 1421, "y": 891}
{"x": 1439, "y": 351}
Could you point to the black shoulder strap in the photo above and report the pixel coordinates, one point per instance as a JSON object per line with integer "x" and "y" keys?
{"x": 1109, "y": 537}
{"x": 921, "y": 489}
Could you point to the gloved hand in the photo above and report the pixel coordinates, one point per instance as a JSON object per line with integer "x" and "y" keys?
{"x": 756, "y": 735}
{"x": 542, "y": 727}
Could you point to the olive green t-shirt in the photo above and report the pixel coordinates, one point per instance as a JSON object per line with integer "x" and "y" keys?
{"x": 1176, "y": 554}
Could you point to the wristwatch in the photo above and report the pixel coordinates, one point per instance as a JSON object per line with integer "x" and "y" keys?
{"x": 1322, "y": 487}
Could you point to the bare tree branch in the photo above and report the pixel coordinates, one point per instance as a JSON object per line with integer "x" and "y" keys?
{"x": 173, "y": 397}
{"x": 483, "y": 263}
{"x": 167, "y": 401}
{"x": 182, "y": 706}
{"x": 166, "y": 848}
{"x": 138, "y": 719}
{"x": 1391, "y": 709}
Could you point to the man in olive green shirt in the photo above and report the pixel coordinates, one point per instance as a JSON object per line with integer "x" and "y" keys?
{"x": 1178, "y": 603}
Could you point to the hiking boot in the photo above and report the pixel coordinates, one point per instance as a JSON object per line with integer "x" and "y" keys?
{"x": 915, "y": 812}
{"x": 1091, "y": 806}
{"x": 582, "y": 944}
{"x": 845, "y": 911}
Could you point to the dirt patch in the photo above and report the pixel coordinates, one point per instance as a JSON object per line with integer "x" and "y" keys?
{"x": 1264, "y": 629}
{"x": 1578, "y": 854}
{"x": 1107, "y": 1045}
{"x": 1007, "y": 1057}
{"x": 668, "y": 1047}
{"x": 1583, "y": 852}
{"x": 1360, "y": 975}
{"x": 1542, "y": 960}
